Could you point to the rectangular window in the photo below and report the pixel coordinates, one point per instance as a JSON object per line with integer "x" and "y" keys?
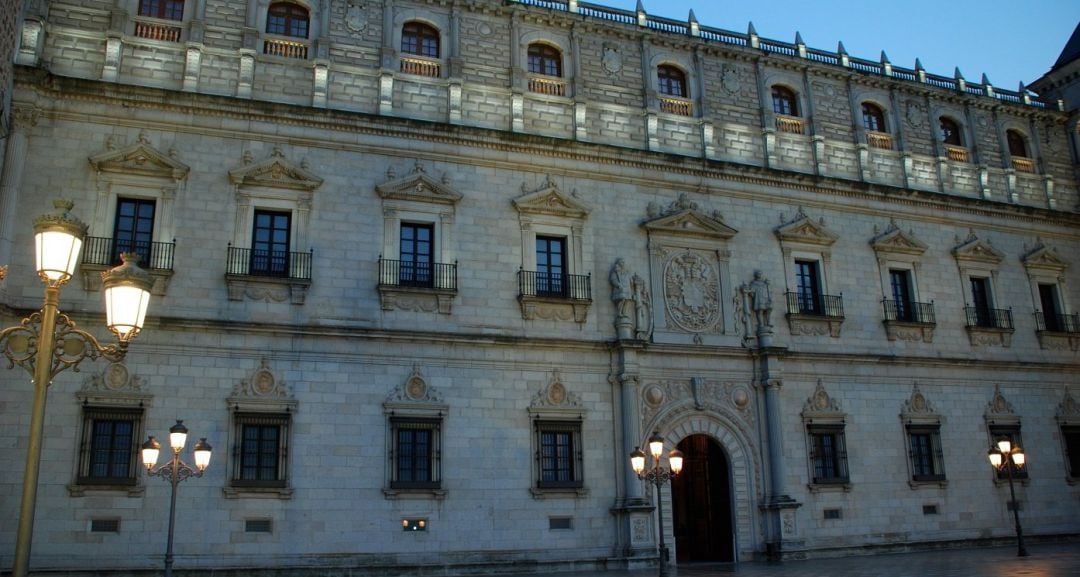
{"x": 828, "y": 454}
{"x": 924, "y": 446}
{"x": 550, "y": 266}
{"x": 416, "y": 250}
{"x": 261, "y": 450}
{"x": 1048, "y": 299}
{"x": 900, "y": 286}
{"x": 980, "y": 301}
{"x": 415, "y": 454}
{"x": 133, "y": 230}
{"x": 808, "y": 287}
{"x": 559, "y": 454}
{"x": 1012, "y": 433}
{"x": 1070, "y": 435}
{"x": 109, "y": 446}
{"x": 270, "y": 243}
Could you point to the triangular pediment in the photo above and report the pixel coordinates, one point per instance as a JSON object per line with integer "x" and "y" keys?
{"x": 418, "y": 187}
{"x": 689, "y": 222}
{"x": 895, "y": 240}
{"x": 275, "y": 172}
{"x": 1043, "y": 257}
{"x": 977, "y": 250}
{"x": 141, "y": 159}
{"x": 551, "y": 201}
{"x": 804, "y": 230}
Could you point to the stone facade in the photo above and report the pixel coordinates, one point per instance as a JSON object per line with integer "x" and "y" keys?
{"x": 717, "y": 209}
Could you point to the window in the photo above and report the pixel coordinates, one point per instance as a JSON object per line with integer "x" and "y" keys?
{"x": 672, "y": 81}
{"x": 924, "y": 447}
{"x": 109, "y": 446}
{"x": 133, "y": 229}
{"x": 261, "y": 453}
{"x": 415, "y": 457}
{"x": 1017, "y": 143}
{"x": 950, "y": 132}
{"x": 164, "y": 9}
{"x": 545, "y": 59}
{"x": 270, "y": 243}
{"x": 1012, "y": 433}
{"x": 559, "y": 454}
{"x": 873, "y": 117}
{"x": 420, "y": 39}
{"x": 287, "y": 19}
{"x": 550, "y": 266}
{"x": 784, "y": 101}
{"x": 1053, "y": 320}
{"x": 808, "y": 287}
{"x": 415, "y": 251}
{"x": 980, "y": 301}
{"x": 900, "y": 289}
{"x": 828, "y": 454}
{"x": 1070, "y": 436}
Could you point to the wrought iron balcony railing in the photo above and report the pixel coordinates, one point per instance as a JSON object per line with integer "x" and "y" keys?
{"x": 1055, "y": 323}
{"x": 815, "y": 305}
{"x": 988, "y": 318}
{"x": 106, "y": 252}
{"x": 555, "y": 285}
{"x": 265, "y": 263}
{"x": 403, "y": 273}
{"x": 909, "y": 312}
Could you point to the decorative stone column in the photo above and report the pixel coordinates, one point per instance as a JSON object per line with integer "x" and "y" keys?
{"x": 23, "y": 118}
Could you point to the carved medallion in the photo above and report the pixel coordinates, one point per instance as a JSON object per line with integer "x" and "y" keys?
{"x": 611, "y": 60}
{"x": 915, "y": 113}
{"x": 729, "y": 79}
{"x": 355, "y": 19}
{"x": 692, "y": 292}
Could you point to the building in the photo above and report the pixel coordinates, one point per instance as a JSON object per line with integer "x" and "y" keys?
{"x": 441, "y": 266}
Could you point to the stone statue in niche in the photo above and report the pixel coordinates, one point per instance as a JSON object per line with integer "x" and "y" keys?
{"x": 623, "y": 297}
{"x": 757, "y": 299}
{"x": 642, "y": 308}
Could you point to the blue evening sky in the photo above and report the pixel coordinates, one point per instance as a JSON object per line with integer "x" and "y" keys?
{"x": 1009, "y": 40}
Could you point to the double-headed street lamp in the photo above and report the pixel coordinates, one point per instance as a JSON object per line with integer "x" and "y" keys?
{"x": 48, "y": 342}
{"x": 174, "y": 471}
{"x": 658, "y": 475}
{"x": 1005, "y": 457}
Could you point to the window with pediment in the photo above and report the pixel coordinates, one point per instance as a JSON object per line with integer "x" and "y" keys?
{"x": 273, "y": 205}
{"x": 1056, "y": 327}
{"x": 907, "y": 317}
{"x": 1003, "y": 423}
{"x": 557, "y": 416}
{"x": 922, "y": 423}
{"x": 261, "y": 408}
{"x": 1068, "y": 419}
{"x": 987, "y": 323}
{"x": 414, "y": 429}
{"x": 137, "y": 187}
{"x": 826, "y": 442}
{"x": 806, "y": 244}
{"x": 552, "y": 282}
{"x": 417, "y": 269}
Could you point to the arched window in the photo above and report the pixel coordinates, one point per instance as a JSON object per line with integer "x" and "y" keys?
{"x": 545, "y": 59}
{"x": 1017, "y": 143}
{"x": 420, "y": 39}
{"x": 671, "y": 80}
{"x": 784, "y": 101}
{"x": 873, "y": 117}
{"x": 950, "y": 132}
{"x": 287, "y": 19}
{"x": 164, "y": 9}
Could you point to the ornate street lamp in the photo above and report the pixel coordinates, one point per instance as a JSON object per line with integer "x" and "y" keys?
{"x": 658, "y": 475}
{"x": 174, "y": 471}
{"x": 48, "y": 342}
{"x": 1005, "y": 457}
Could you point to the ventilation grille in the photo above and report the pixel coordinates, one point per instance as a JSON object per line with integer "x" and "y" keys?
{"x": 560, "y": 523}
{"x": 104, "y": 525}
{"x": 258, "y": 526}
{"x": 833, "y": 514}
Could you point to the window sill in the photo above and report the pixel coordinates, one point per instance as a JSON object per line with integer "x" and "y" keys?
{"x": 840, "y": 486}
{"x": 939, "y": 484}
{"x": 814, "y": 325}
{"x": 554, "y": 309}
{"x": 990, "y": 336}
{"x": 1058, "y": 341}
{"x": 909, "y": 331}
{"x": 81, "y": 490}
{"x": 393, "y": 494}
{"x": 416, "y": 299}
{"x": 283, "y": 493}
{"x": 267, "y": 289}
{"x": 540, "y": 493}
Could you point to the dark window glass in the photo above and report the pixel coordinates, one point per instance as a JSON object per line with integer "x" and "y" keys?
{"x": 828, "y": 454}
{"x": 873, "y": 117}
{"x": 784, "y": 101}
{"x": 550, "y": 266}
{"x": 672, "y": 81}
{"x": 109, "y": 447}
{"x": 133, "y": 230}
{"x": 164, "y": 9}
{"x": 980, "y": 300}
{"x": 900, "y": 284}
{"x": 270, "y": 243}
{"x": 416, "y": 249}
{"x": 950, "y": 132}
{"x": 416, "y": 454}
{"x": 259, "y": 452}
{"x": 926, "y": 457}
{"x": 287, "y": 19}
{"x": 1071, "y": 436}
{"x": 1017, "y": 143}
{"x": 1048, "y": 298}
{"x": 420, "y": 39}
{"x": 808, "y": 287}
{"x": 545, "y": 59}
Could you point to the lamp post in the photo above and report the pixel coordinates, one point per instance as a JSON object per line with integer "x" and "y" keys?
{"x": 48, "y": 342}
{"x": 1005, "y": 457}
{"x": 174, "y": 471}
{"x": 658, "y": 475}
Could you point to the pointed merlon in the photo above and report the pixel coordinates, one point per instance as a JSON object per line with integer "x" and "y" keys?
{"x": 1021, "y": 89}
{"x": 985, "y": 80}
{"x": 884, "y": 58}
{"x": 798, "y": 38}
{"x": 918, "y": 64}
{"x": 840, "y": 48}
{"x": 692, "y": 19}
{"x": 750, "y": 29}
{"x": 957, "y": 74}
{"x": 640, "y": 6}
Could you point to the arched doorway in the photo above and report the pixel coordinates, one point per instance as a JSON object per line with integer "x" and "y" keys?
{"x": 701, "y": 503}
